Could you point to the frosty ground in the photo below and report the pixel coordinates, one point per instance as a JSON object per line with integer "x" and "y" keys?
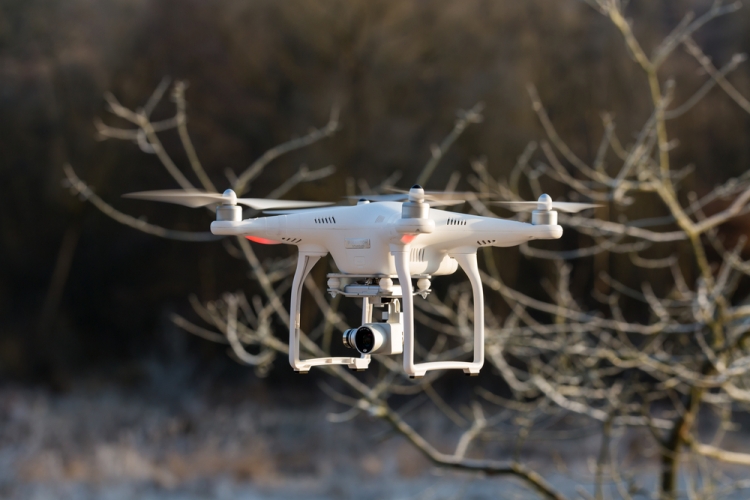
{"x": 102, "y": 440}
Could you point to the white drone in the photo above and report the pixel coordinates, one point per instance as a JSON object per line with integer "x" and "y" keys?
{"x": 382, "y": 238}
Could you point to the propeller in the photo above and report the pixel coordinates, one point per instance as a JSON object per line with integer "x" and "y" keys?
{"x": 433, "y": 198}
{"x": 196, "y": 198}
{"x": 299, "y": 210}
{"x": 443, "y": 198}
{"x": 546, "y": 204}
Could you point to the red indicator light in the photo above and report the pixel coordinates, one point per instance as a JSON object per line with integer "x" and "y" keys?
{"x": 408, "y": 238}
{"x": 262, "y": 241}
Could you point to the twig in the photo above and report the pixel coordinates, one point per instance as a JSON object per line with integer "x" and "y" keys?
{"x": 244, "y": 179}
{"x": 474, "y": 115}
{"x": 88, "y": 194}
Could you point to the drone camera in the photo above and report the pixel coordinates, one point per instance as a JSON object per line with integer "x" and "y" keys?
{"x": 376, "y": 338}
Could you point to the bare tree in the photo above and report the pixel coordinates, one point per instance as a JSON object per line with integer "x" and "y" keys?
{"x": 679, "y": 353}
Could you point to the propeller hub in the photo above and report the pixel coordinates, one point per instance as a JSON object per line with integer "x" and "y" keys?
{"x": 230, "y": 197}
{"x": 544, "y": 203}
{"x": 416, "y": 194}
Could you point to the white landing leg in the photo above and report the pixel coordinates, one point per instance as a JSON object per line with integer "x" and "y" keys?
{"x": 468, "y": 263}
{"x": 305, "y": 262}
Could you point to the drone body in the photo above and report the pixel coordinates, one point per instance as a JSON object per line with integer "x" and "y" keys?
{"x": 359, "y": 237}
{"x": 372, "y": 244}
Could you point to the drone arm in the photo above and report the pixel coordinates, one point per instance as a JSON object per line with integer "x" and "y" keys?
{"x": 267, "y": 228}
{"x": 305, "y": 262}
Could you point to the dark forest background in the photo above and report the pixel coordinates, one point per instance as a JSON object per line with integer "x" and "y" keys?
{"x": 81, "y": 293}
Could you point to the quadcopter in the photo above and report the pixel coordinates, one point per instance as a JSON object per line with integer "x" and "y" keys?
{"x": 382, "y": 238}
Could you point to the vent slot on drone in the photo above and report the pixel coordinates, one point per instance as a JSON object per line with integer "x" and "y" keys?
{"x": 485, "y": 242}
{"x": 325, "y": 220}
{"x": 455, "y": 222}
{"x": 417, "y": 255}
{"x": 379, "y": 219}
{"x": 291, "y": 240}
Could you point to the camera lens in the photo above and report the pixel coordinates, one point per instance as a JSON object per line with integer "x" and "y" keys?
{"x": 364, "y": 339}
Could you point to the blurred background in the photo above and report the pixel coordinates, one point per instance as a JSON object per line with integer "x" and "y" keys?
{"x": 86, "y": 345}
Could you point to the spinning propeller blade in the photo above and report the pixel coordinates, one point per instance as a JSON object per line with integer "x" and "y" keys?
{"x": 433, "y": 198}
{"x": 299, "y": 210}
{"x": 196, "y": 198}
{"x": 528, "y": 206}
{"x": 378, "y": 197}
{"x": 442, "y": 198}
